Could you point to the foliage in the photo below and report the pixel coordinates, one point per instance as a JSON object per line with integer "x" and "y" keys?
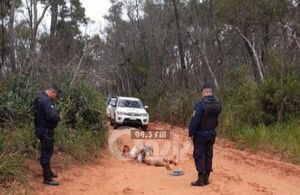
{"x": 83, "y": 107}
{"x": 16, "y": 99}
{"x": 175, "y": 108}
{"x": 245, "y": 13}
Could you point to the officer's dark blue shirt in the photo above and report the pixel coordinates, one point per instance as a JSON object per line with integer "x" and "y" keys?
{"x": 45, "y": 113}
{"x": 194, "y": 128}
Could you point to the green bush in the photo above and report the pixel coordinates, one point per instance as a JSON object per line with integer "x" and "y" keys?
{"x": 279, "y": 99}
{"x": 16, "y": 96}
{"x": 242, "y": 106}
{"x": 269, "y": 102}
{"x": 83, "y": 107}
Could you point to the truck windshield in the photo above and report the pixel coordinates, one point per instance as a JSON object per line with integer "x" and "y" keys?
{"x": 130, "y": 104}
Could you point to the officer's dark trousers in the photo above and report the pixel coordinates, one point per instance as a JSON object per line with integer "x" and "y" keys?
{"x": 203, "y": 153}
{"x": 47, "y": 147}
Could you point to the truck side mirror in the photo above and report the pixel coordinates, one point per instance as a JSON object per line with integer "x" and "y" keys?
{"x": 146, "y": 107}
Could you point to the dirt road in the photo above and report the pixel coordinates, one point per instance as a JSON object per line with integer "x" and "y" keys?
{"x": 235, "y": 172}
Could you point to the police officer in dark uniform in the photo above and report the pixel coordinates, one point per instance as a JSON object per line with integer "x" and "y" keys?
{"x": 46, "y": 119}
{"x": 202, "y": 130}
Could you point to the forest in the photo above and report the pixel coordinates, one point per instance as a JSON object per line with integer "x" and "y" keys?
{"x": 161, "y": 51}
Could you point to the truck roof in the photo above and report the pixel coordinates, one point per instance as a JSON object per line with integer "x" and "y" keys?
{"x": 128, "y": 98}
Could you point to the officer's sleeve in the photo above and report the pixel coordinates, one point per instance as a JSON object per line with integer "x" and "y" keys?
{"x": 196, "y": 119}
{"x": 51, "y": 113}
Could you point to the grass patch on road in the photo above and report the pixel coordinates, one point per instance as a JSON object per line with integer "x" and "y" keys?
{"x": 281, "y": 138}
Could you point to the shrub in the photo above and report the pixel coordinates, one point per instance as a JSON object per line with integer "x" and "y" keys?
{"x": 83, "y": 107}
{"x": 279, "y": 99}
{"x": 16, "y": 96}
{"x": 240, "y": 108}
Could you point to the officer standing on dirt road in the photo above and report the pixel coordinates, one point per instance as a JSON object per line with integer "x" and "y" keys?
{"x": 46, "y": 119}
{"x": 202, "y": 130}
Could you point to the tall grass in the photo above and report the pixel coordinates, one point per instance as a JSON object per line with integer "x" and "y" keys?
{"x": 81, "y": 144}
{"x": 11, "y": 166}
{"x": 279, "y": 138}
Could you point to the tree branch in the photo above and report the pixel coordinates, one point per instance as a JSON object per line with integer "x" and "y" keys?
{"x": 297, "y": 40}
{"x": 256, "y": 58}
{"x": 43, "y": 15}
{"x": 205, "y": 60}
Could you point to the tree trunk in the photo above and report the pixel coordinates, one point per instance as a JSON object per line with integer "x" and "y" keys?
{"x": 11, "y": 33}
{"x": 53, "y": 28}
{"x": 142, "y": 31}
{"x": 54, "y": 16}
{"x": 257, "y": 65}
{"x": 264, "y": 52}
{"x": 34, "y": 29}
{"x": 180, "y": 45}
{"x": 280, "y": 109}
{"x": 2, "y": 36}
{"x": 205, "y": 60}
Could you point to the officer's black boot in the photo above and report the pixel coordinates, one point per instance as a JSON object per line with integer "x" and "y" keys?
{"x": 51, "y": 182}
{"x": 47, "y": 176}
{"x": 206, "y": 178}
{"x": 53, "y": 175}
{"x": 200, "y": 181}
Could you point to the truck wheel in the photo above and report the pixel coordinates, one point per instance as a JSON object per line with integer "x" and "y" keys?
{"x": 145, "y": 127}
{"x": 116, "y": 125}
{"x": 111, "y": 122}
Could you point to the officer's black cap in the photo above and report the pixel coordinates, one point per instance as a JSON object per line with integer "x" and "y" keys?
{"x": 206, "y": 86}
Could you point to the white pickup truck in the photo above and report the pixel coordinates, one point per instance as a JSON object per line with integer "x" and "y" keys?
{"x": 129, "y": 111}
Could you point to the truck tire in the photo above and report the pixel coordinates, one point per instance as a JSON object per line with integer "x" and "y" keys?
{"x": 145, "y": 127}
{"x": 116, "y": 125}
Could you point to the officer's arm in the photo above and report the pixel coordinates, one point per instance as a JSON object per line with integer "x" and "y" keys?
{"x": 50, "y": 112}
{"x": 196, "y": 119}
